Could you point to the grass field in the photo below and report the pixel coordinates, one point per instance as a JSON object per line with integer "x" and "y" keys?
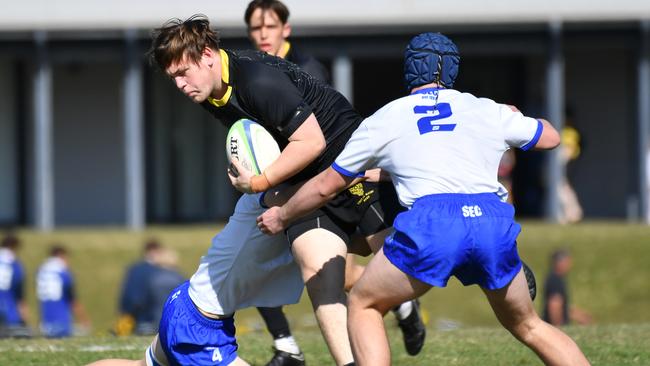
{"x": 615, "y": 345}
{"x": 610, "y": 280}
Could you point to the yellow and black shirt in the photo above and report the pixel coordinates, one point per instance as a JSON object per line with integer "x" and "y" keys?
{"x": 280, "y": 96}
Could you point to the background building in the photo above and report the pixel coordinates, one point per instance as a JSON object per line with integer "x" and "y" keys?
{"x": 91, "y": 135}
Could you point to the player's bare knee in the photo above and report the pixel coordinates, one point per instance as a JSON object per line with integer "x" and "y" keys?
{"x": 524, "y": 330}
{"x": 358, "y": 299}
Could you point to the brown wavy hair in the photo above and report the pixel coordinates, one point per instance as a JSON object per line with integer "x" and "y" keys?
{"x": 182, "y": 38}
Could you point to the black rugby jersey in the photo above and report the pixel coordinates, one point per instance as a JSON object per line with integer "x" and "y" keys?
{"x": 307, "y": 63}
{"x": 278, "y": 95}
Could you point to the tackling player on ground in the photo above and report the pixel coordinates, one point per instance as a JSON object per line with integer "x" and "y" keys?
{"x": 197, "y": 326}
{"x": 442, "y": 149}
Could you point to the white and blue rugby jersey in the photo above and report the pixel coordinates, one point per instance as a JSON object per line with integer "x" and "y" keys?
{"x": 11, "y": 287}
{"x": 438, "y": 141}
{"x": 55, "y": 292}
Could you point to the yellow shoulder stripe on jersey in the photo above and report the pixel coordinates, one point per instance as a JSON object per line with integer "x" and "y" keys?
{"x": 225, "y": 77}
{"x": 284, "y": 49}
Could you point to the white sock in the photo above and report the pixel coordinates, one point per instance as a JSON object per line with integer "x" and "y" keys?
{"x": 287, "y": 344}
{"x": 403, "y": 311}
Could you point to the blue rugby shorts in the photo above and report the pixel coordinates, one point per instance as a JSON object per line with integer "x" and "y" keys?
{"x": 189, "y": 338}
{"x": 469, "y": 236}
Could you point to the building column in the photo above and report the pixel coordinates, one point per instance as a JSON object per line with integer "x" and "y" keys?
{"x": 343, "y": 77}
{"x": 43, "y": 181}
{"x": 555, "y": 112}
{"x": 133, "y": 140}
{"x": 643, "y": 92}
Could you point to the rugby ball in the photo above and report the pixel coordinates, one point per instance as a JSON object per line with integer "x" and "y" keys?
{"x": 252, "y": 145}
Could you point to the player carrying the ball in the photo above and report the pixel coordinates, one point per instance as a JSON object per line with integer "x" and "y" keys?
{"x": 441, "y": 148}
{"x": 311, "y": 122}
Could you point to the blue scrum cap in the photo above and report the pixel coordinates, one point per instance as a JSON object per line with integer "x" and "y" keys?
{"x": 430, "y": 57}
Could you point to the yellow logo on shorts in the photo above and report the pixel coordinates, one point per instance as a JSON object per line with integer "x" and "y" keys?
{"x": 357, "y": 190}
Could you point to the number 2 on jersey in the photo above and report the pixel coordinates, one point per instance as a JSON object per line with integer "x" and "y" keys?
{"x": 434, "y": 113}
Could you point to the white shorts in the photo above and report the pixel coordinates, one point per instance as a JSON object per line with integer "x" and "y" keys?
{"x": 244, "y": 267}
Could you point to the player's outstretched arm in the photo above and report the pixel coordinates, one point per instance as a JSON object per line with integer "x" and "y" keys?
{"x": 550, "y": 138}
{"x": 313, "y": 194}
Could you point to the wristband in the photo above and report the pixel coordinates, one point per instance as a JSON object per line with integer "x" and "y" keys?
{"x": 259, "y": 183}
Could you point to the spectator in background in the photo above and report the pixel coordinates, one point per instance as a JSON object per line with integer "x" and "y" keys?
{"x": 55, "y": 291}
{"x": 164, "y": 279}
{"x": 571, "y": 210}
{"x": 13, "y": 310}
{"x": 557, "y": 309}
{"x": 135, "y": 315}
{"x": 269, "y": 30}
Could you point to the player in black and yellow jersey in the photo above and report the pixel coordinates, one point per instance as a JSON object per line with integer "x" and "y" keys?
{"x": 269, "y": 29}
{"x": 310, "y": 121}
